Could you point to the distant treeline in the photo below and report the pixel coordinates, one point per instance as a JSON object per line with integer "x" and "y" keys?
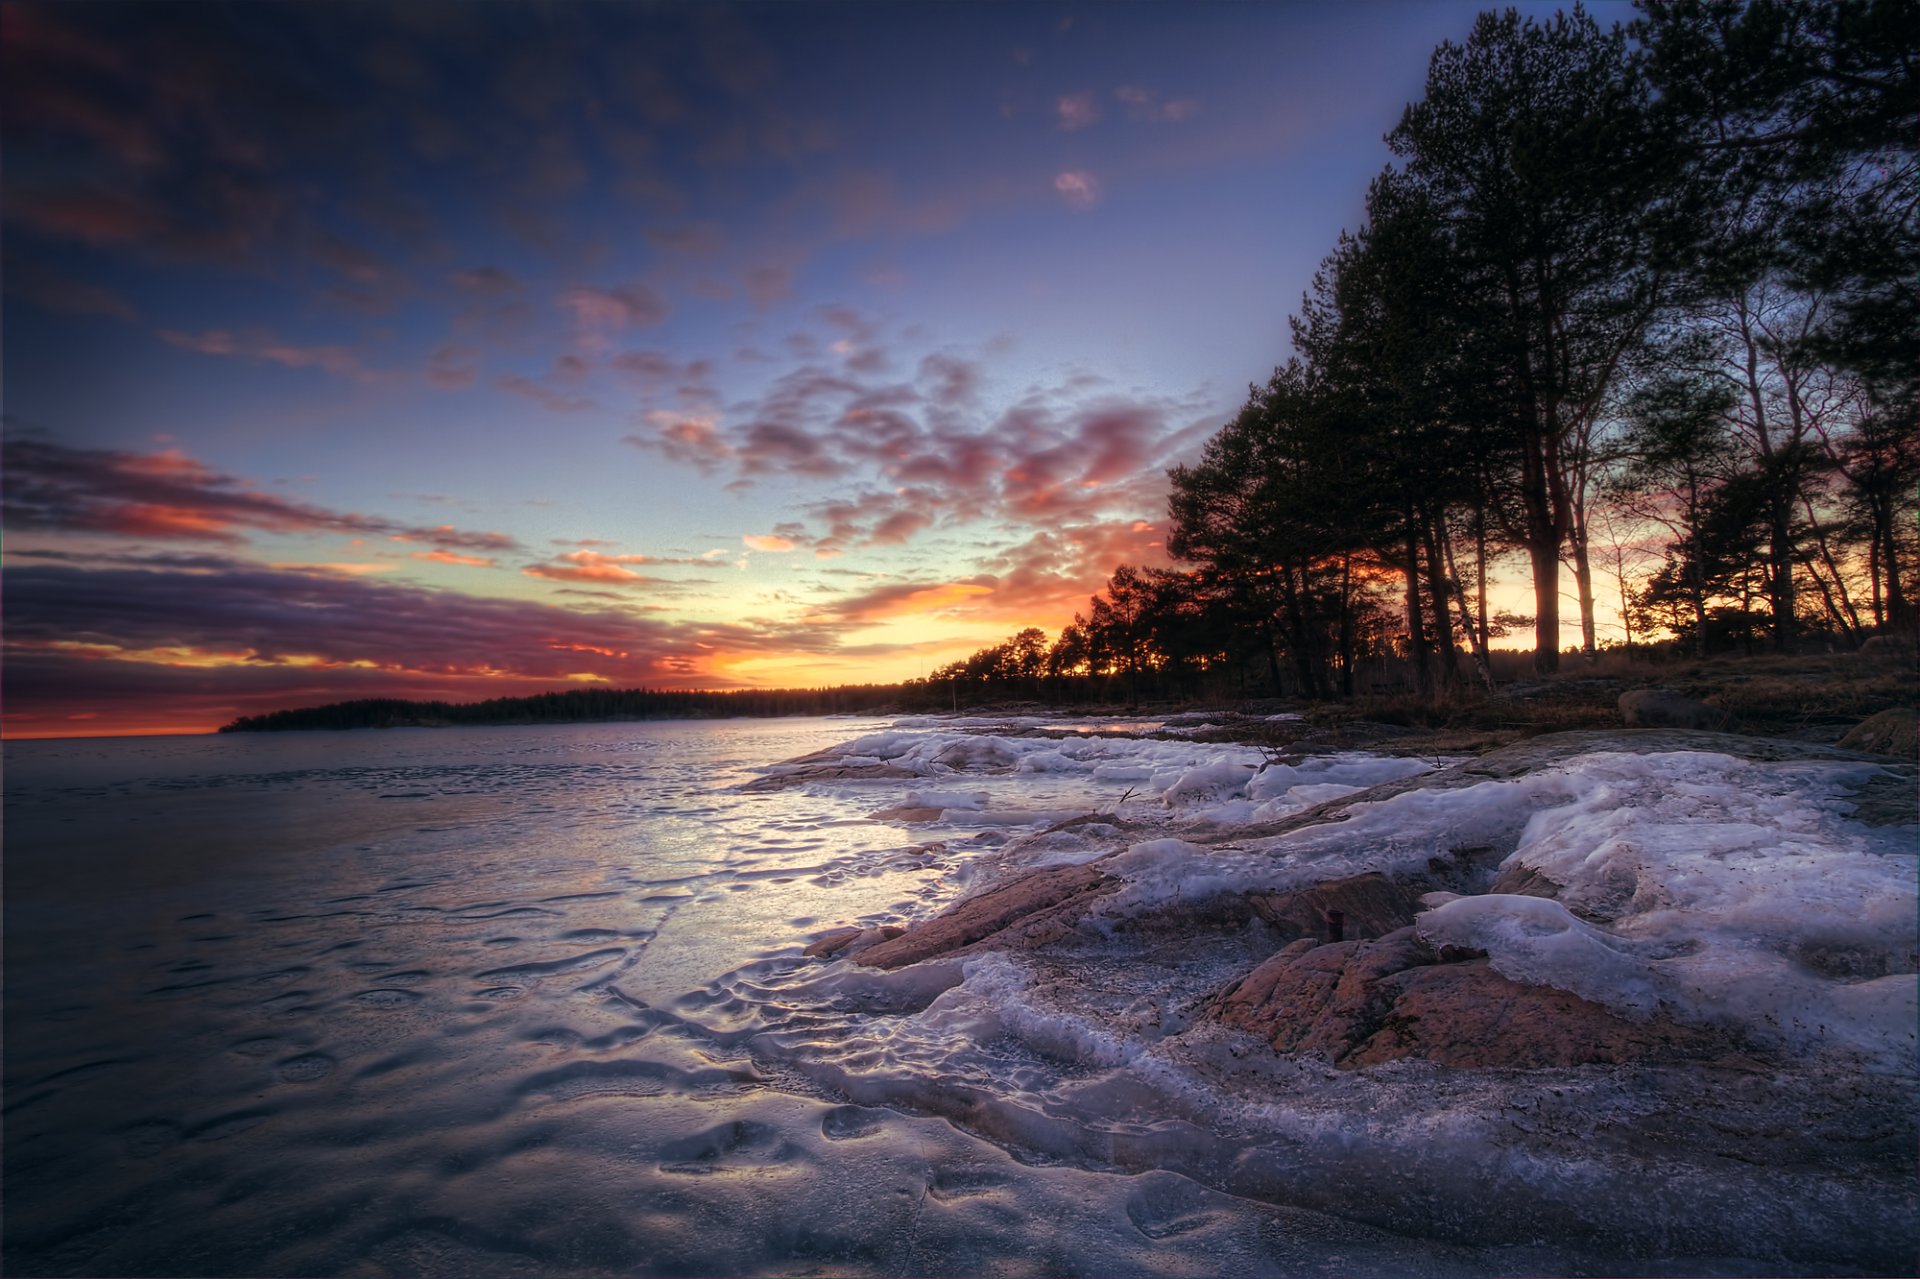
{"x": 583, "y": 705}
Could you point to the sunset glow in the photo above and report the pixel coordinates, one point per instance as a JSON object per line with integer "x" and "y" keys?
{"x": 461, "y": 351}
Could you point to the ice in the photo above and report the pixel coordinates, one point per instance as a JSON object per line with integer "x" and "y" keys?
{"x": 1348, "y": 769}
{"x": 1209, "y": 783}
{"x": 1720, "y": 890}
{"x": 945, "y": 799}
{"x": 1724, "y": 890}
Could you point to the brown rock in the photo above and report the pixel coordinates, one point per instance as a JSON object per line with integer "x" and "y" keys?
{"x": 1525, "y": 881}
{"x": 1468, "y": 1015}
{"x": 1368, "y": 905}
{"x": 1322, "y": 1001}
{"x": 909, "y": 815}
{"x": 852, "y": 940}
{"x": 1030, "y": 909}
{"x": 1891, "y": 732}
{"x": 829, "y": 942}
{"x": 1367, "y": 1002}
{"x": 829, "y": 773}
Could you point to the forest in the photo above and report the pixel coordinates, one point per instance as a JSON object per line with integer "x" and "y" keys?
{"x": 1639, "y": 301}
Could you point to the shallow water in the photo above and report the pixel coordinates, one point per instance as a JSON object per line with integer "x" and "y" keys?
{"x": 531, "y": 1001}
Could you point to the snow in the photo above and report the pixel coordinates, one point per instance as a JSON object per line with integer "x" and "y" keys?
{"x": 1718, "y": 890}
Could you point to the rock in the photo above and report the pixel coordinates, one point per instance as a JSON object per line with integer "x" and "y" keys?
{"x": 1324, "y": 1001}
{"x": 1030, "y": 909}
{"x": 1368, "y": 1002}
{"x": 1525, "y": 881}
{"x": 1664, "y": 708}
{"x": 1467, "y": 1015}
{"x": 1891, "y": 732}
{"x": 852, "y": 940}
{"x": 908, "y": 815}
{"x": 1368, "y": 905}
{"x": 829, "y": 942}
{"x": 829, "y": 772}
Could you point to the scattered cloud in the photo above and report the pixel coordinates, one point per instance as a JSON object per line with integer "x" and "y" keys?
{"x": 766, "y": 542}
{"x": 545, "y": 396}
{"x": 1077, "y": 111}
{"x": 450, "y": 557}
{"x": 170, "y": 496}
{"x": 600, "y": 315}
{"x": 1079, "y": 188}
{"x": 1145, "y": 104}
{"x": 262, "y": 347}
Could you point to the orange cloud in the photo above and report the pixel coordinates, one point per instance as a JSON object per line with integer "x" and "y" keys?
{"x": 448, "y": 557}
{"x": 767, "y": 542}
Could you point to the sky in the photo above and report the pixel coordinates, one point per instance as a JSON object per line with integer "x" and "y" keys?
{"x": 463, "y": 350}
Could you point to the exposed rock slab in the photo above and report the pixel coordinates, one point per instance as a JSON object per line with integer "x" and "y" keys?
{"x": 1356, "y": 908}
{"x": 1362, "y": 1003}
{"x": 829, "y": 772}
{"x": 1029, "y": 909}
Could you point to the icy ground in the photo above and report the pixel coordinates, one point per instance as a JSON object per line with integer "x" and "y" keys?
{"x": 1724, "y": 892}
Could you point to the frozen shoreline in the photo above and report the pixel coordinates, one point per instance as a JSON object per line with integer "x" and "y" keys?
{"x": 1725, "y": 952}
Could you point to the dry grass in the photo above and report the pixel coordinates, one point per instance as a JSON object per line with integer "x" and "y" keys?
{"x": 1809, "y": 696}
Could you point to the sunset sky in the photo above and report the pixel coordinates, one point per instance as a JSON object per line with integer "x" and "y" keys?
{"x": 464, "y": 350}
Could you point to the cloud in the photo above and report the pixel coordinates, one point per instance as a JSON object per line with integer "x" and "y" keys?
{"x": 1145, "y": 104}
{"x": 698, "y": 240}
{"x": 487, "y": 282}
{"x": 599, "y": 312}
{"x": 766, "y": 542}
{"x": 546, "y": 397}
{"x": 171, "y": 496}
{"x": 453, "y": 366}
{"x": 684, "y": 438}
{"x": 142, "y": 647}
{"x": 1077, "y": 111}
{"x": 1079, "y": 188}
{"x": 449, "y": 557}
{"x": 45, "y": 288}
{"x": 591, "y": 566}
{"x": 262, "y": 347}
{"x": 768, "y": 285}
{"x": 906, "y": 599}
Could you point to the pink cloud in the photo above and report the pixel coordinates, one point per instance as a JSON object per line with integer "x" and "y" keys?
{"x": 603, "y": 311}
{"x": 1079, "y": 188}
{"x": 546, "y": 397}
{"x": 766, "y": 542}
{"x": 169, "y": 495}
{"x": 265, "y": 348}
{"x": 449, "y": 557}
{"x": 1077, "y": 111}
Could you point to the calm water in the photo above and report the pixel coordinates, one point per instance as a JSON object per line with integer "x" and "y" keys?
{"x": 474, "y": 1002}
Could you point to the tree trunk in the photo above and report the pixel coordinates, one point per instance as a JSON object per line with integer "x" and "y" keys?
{"x": 1444, "y": 646}
{"x": 1476, "y": 640}
{"x": 1583, "y": 584}
{"x": 1416, "y": 629}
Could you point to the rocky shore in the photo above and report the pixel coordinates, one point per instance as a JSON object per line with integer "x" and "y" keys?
{"x": 1707, "y": 937}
